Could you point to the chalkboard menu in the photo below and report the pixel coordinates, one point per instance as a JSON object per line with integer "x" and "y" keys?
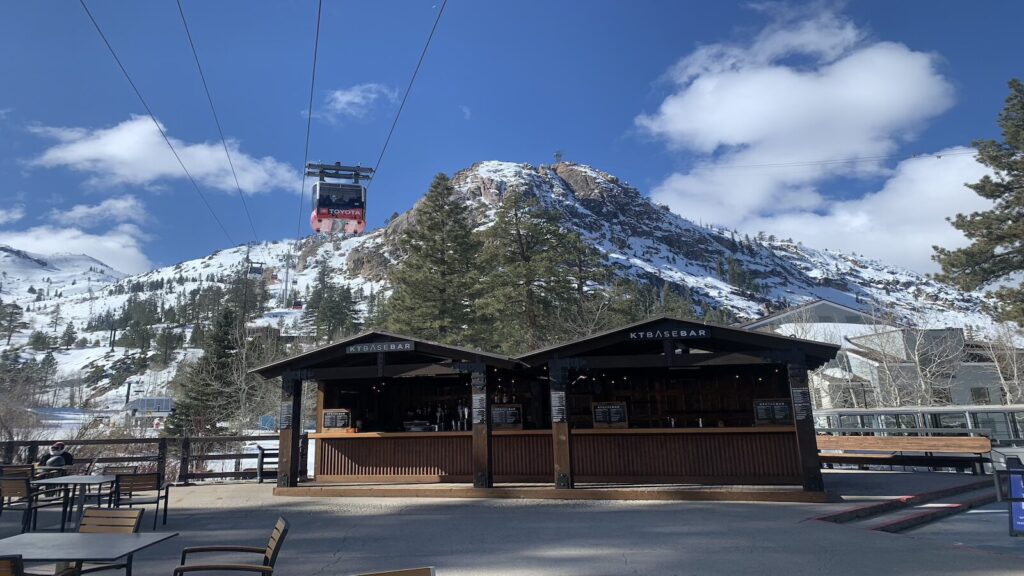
{"x": 773, "y": 412}
{"x": 338, "y": 418}
{"x": 610, "y": 415}
{"x": 507, "y": 416}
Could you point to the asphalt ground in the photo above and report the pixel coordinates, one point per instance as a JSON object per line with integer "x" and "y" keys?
{"x": 333, "y": 536}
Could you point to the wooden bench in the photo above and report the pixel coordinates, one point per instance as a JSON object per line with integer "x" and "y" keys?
{"x": 959, "y": 452}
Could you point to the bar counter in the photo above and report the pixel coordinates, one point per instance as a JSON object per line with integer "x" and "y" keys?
{"x": 754, "y": 455}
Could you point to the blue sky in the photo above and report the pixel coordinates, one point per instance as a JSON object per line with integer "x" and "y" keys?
{"x": 680, "y": 99}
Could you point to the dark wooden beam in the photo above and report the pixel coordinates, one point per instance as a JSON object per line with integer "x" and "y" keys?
{"x": 677, "y": 360}
{"x": 290, "y": 425}
{"x": 362, "y": 372}
{"x": 480, "y": 405}
{"x": 803, "y": 418}
{"x": 558, "y": 372}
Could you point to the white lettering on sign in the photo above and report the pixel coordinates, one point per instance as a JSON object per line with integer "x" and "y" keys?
{"x": 665, "y": 334}
{"x": 380, "y": 347}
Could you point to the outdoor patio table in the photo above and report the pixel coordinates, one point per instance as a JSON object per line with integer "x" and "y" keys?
{"x": 68, "y": 547}
{"x": 79, "y": 483}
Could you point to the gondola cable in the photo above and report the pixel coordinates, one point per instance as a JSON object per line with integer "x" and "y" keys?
{"x": 305, "y": 151}
{"x": 408, "y": 88}
{"x": 248, "y": 264}
{"x": 152, "y": 117}
{"x": 216, "y": 120}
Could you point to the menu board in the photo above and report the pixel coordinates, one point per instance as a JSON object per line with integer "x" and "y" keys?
{"x": 338, "y": 418}
{"x": 557, "y": 406}
{"x": 285, "y": 416}
{"x": 479, "y": 408}
{"x": 507, "y": 416}
{"x": 801, "y": 403}
{"x": 610, "y": 415}
{"x": 773, "y": 412}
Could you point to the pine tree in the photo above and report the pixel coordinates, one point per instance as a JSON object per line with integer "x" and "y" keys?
{"x": 435, "y": 283}
{"x": 67, "y": 339}
{"x": 204, "y": 400}
{"x": 995, "y": 253}
{"x": 12, "y": 320}
{"x": 525, "y": 282}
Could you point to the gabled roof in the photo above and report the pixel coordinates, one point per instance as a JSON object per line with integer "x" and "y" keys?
{"x": 806, "y": 305}
{"x": 338, "y": 350}
{"x": 715, "y": 337}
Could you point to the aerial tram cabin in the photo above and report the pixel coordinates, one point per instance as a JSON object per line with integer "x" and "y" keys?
{"x": 338, "y": 207}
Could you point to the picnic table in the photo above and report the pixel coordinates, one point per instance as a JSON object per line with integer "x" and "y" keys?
{"x": 79, "y": 484}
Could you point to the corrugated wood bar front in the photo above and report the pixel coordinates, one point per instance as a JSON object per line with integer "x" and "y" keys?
{"x": 750, "y": 456}
{"x": 523, "y": 456}
{"x": 396, "y": 457}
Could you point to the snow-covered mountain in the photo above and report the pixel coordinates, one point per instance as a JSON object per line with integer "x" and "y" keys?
{"x": 747, "y": 275}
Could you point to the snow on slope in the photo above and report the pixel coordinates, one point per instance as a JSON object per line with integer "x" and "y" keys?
{"x": 639, "y": 239}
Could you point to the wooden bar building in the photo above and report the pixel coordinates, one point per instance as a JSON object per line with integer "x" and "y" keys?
{"x": 660, "y": 401}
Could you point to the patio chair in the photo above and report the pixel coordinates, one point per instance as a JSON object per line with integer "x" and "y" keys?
{"x": 266, "y": 567}
{"x": 17, "y": 470}
{"x": 11, "y": 566}
{"x": 128, "y": 486}
{"x": 407, "y": 572}
{"x": 101, "y": 494}
{"x": 19, "y": 494}
{"x": 98, "y": 521}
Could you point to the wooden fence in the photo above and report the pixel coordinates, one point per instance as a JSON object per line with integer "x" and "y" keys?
{"x": 187, "y": 453}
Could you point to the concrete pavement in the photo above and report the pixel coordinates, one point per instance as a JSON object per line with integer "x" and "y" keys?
{"x": 517, "y": 537}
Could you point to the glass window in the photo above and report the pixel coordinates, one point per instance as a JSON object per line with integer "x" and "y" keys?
{"x": 951, "y": 420}
{"x": 980, "y": 396}
{"x": 907, "y": 420}
{"x": 849, "y": 422}
{"x": 1018, "y": 418}
{"x": 994, "y": 421}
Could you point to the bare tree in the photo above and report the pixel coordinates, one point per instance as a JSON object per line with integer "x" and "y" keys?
{"x": 1002, "y": 349}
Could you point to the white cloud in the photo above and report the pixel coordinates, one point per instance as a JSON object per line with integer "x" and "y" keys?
{"x": 121, "y": 209}
{"x": 12, "y": 214}
{"x": 134, "y": 153}
{"x": 355, "y": 102}
{"x": 467, "y": 113}
{"x": 5, "y": 112}
{"x": 900, "y": 222}
{"x": 120, "y": 247}
{"x": 806, "y": 93}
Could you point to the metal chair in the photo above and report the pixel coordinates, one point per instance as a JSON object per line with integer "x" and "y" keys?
{"x": 429, "y": 571}
{"x": 98, "y": 521}
{"x": 127, "y": 487}
{"x": 11, "y": 566}
{"x": 99, "y": 495}
{"x": 269, "y": 554}
{"x": 19, "y": 494}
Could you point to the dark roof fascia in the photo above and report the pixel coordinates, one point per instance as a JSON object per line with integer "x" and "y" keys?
{"x": 337, "y": 349}
{"x": 737, "y": 335}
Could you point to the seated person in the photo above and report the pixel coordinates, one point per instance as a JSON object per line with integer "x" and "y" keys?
{"x": 56, "y": 456}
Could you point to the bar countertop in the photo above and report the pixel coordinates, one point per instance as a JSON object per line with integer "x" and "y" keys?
{"x": 581, "y": 431}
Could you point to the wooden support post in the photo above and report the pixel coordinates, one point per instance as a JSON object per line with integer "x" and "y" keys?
{"x": 161, "y": 458}
{"x": 803, "y": 417}
{"x": 290, "y": 425}
{"x": 558, "y": 374}
{"x": 480, "y": 406}
{"x": 186, "y": 458}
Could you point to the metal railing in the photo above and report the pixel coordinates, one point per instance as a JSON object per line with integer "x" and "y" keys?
{"x": 186, "y": 452}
